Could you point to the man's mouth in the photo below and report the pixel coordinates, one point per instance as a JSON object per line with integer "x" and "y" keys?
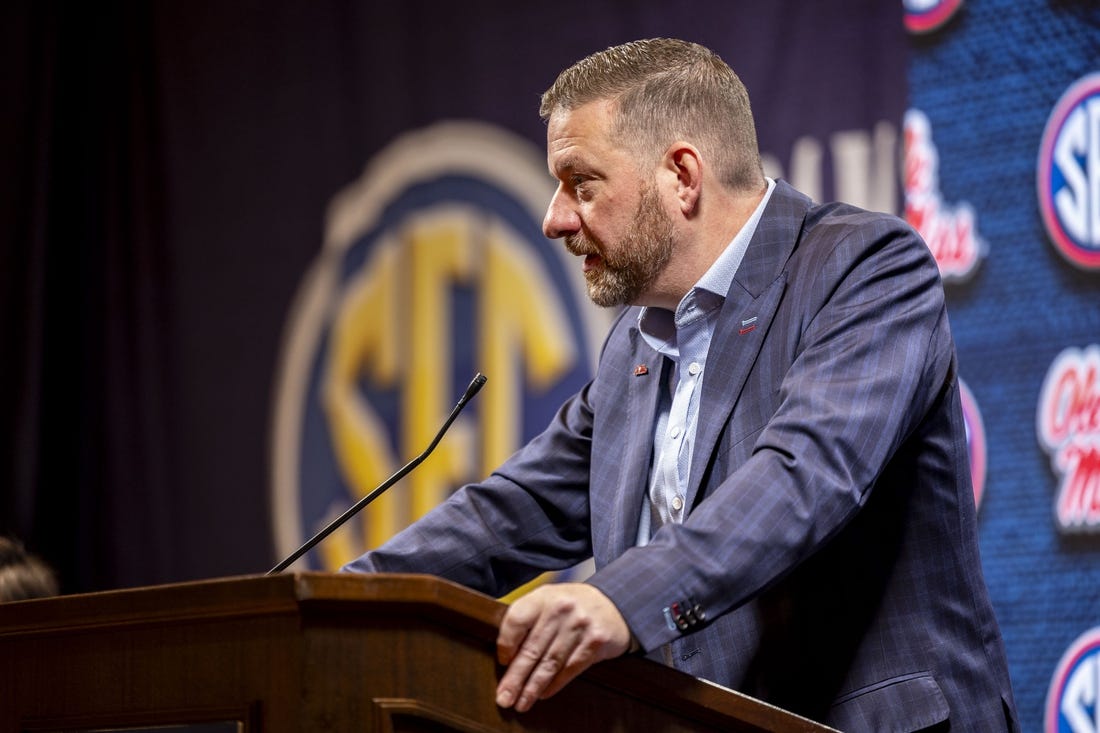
{"x": 579, "y": 247}
{"x": 592, "y": 261}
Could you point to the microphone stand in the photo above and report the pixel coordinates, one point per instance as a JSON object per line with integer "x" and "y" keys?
{"x": 473, "y": 389}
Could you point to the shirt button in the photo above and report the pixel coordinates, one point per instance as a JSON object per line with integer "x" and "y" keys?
{"x": 694, "y": 368}
{"x": 675, "y": 432}
{"x": 677, "y": 503}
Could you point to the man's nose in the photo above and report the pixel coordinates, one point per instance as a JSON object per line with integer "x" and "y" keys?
{"x": 561, "y": 218}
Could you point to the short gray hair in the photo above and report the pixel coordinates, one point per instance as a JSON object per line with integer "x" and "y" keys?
{"x": 667, "y": 90}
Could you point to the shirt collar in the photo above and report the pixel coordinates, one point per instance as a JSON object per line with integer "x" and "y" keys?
{"x": 658, "y": 325}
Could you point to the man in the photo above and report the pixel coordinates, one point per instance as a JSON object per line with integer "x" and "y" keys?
{"x": 770, "y": 465}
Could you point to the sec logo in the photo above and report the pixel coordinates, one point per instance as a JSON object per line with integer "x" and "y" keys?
{"x": 434, "y": 267}
{"x": 1073, "y": 701}
{"x": 925, "y": 16}
{"x": 1069, "y": 174}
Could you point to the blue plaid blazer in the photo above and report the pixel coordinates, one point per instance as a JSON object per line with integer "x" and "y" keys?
{"x": 829, "y": 563}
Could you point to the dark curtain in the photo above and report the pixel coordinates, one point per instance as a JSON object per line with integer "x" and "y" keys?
{"x": 83, "y": 294}
{"x": 166, "y": 171}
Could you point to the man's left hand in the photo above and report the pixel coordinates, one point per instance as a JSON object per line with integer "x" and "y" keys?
{"x": 550, "y": 636}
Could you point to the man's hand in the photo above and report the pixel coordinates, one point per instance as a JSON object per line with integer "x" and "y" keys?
{"x": 550, "y": 636}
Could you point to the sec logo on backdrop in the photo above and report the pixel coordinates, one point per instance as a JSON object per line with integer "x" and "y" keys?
{"x": 926, "y": 16}
{"x": 1073, "y": 700}
{"x": 434, "y": 267}
{"x": 1069, "y": 174}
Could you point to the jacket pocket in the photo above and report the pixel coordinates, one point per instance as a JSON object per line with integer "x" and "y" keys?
{"x": 897, "y": 705}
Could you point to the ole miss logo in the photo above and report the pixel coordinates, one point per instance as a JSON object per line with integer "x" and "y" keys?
{"x": 1069, "y": 174}
{"x": 1069, "y": 430}
{"x": 1073, "y": 701}
{"x": 950, "y": 230}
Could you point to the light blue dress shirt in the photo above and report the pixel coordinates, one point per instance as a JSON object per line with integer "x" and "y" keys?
{"x": 684, "y": 337}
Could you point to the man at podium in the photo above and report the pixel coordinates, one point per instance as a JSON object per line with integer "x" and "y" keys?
{"x": 770, "y": 465}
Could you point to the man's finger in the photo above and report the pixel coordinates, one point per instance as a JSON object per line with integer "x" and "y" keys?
{"x": 550, "y": 636}
{"x": 525, "y": 635}
{"x": 517, "y": 624}
{"x": 545, "y": 671}
{"x": 584, "y": 654}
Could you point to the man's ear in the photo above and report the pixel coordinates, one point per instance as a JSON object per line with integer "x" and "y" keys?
{"x": 683, "y": 159}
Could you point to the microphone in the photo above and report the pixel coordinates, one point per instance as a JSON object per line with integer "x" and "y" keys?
{"x": 475, "y": 386}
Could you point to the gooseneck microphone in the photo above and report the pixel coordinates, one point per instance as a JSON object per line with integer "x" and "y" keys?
{"x": 475, "y": 386}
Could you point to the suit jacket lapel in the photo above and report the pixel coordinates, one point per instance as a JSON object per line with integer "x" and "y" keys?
{"x": 642, "y": 395}
{"x": 745, "y": 320}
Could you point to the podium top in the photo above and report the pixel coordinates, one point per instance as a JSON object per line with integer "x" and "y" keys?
{"x": 349, "y": 600}
{"x": 249, "y": 595}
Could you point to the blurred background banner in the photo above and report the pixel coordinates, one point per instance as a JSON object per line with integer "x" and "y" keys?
{"x": 252, "y": 255}
{"x": 1002, "y": 165}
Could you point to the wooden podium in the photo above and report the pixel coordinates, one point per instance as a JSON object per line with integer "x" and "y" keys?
{"x": 317, "y": 652}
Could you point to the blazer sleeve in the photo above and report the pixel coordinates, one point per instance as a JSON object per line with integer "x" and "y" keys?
{"x": 856, "y": 356}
